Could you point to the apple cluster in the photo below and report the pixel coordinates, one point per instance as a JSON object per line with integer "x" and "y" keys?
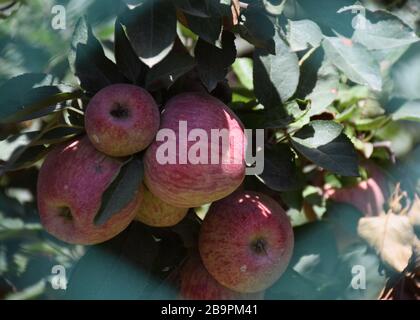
{"x": 246, "y": 239}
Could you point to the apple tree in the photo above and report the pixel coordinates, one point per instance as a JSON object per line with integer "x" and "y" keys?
{"x": 332, "y": 86}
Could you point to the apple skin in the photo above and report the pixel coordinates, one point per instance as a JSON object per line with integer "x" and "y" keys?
{"x": 192, "y": 185}
{"x": 122, "y": 119}
{"x": 70, "y": 185}
{"x": 246, "y": 241}
{"x": 368, "y": 196}
{"x": 197, "y": 284}
{"x": 157, "y": 213}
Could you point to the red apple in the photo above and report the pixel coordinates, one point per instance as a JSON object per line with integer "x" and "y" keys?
{"x": 71, "y": 182}
{"x": 197, "y": 284}
{"x": 246, "y": 241}
{"x": 157, "y": 213}
{"x": 368, "y": 196}
{"x": 200, "y": 167}
{"x": 122, "y": 119}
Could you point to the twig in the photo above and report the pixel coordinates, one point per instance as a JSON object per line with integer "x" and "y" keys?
{"x": 8, "y": 6}
{"x": 307, "y": 55}
{"x": 243, "y": 5}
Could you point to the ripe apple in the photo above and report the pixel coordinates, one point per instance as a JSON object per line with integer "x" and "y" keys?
{"x": 157, "y": 213}
{"x": 246, "y": 241}
{"x": 368, "y": 196}
{"x": 197, "y": 284}
{"x": 70, "y": 185}
{"x": 122, "y": 119}
{"x": 189, "y": 165}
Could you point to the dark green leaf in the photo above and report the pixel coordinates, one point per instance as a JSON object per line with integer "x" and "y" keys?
{"x": 22, "y": 98}
{"x": 325, "y": 144}
{"x": 410, "y": 110}
{"x": 280, "y": 172}
{"x": 274, "y": 7}
{"x": 87, "y": 58}
{"x": 354, "y": 60}
{"x": 325, "y": 90}
{"x": 127, "y": 60}
{"x": 303, "y": 34}
{"x": 276, "y": 77}
{"x": 57, "y": 135}
{"x": 257, "y": 29}
{"x": 121, "y": 191}
{"x": 151, "y": 29}
{"x": 120, "y": 268}
{"x": 51, "y": 136}
{"x": 213, "y": 62}
{"x": 282, "y": 116}
{"x": 205, "y": 8}
{"x": 166, "y": 72}
{"x": 381, "y": 30}
{"x": 312, "y": 270}
{"x": 405, "y": 75}
{"x": 207, "y": 29}
{"x": 18, "y": 84}
{"x": 324, "y": 13}
{"x": 25, "y": 157}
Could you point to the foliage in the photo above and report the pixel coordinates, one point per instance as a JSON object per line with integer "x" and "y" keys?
{"x": 332, "y": 91}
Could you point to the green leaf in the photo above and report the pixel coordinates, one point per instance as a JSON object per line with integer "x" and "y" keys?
{"x": 207, "y": 29}
{"x": 151, "y": 29}
{"x": 325, "y": 90}
{"x": 87, "y": 58}
{"x": 325, "y": 144}
{"x": 274, "y": 7}
{"x": 323, "y": 13}
{"x": 303, "y": 34}
{"x": 257, "y": 29}
{"x": 121, "y": 190}
{"x": 124, "y": 267}
{"x": 126, "y": 58}
{"x": 280, "y": 172}
{"x": 354, "y": 60}
{"x": 165, "y": 73}
{"x": 409, "y": 110}
{"x": 369, "y": 124}
{"x": 381, "y": 30}
{"x": 23, "y": 82}
{"x": 205, "y": 8}
{"x": 243, "y": 70}
{"x": 25, "y": 97}
{"x": 283, "y": 116}
{"x": 312, "y": 272}
{"x": 25, "y": 157}
{"x": 276, "y": 77}
{"x": 56, "y": 135}
{"x": 213, "y": 62}
{"x": 405, "y": 75}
